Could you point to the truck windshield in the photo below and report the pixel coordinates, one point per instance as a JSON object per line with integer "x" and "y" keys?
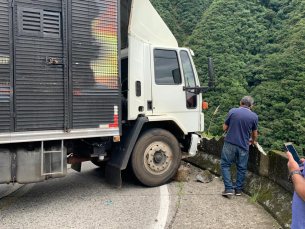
{"x": 191, "y": 96}
{"x": 187, "y": 69}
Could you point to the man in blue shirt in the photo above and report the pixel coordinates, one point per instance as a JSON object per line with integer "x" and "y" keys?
{"x": 239, "y": 124}
{"x": 298, "y": 203}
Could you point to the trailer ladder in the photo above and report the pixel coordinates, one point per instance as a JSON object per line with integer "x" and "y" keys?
{"x": 50, "y": 152}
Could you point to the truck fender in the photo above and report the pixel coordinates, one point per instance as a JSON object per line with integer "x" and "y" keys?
{"x": 168, "y": 118}
{"x": 121, "y": 153}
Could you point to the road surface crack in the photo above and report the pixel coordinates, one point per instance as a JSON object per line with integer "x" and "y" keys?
{"x": 178, "y": 204}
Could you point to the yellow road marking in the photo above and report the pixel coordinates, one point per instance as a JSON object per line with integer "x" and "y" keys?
{"x": 11, "y": 190}
{"x": 23, "y": 191}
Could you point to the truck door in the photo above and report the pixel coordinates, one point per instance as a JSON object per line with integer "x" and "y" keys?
{"x": 39, "y": 65}
{"x": 172, "y": 71}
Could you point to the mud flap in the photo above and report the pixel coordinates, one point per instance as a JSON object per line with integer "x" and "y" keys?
{"x": 113, "y": 176}
{"x": 77, "y": 166}
{"x": 122, "y": 151}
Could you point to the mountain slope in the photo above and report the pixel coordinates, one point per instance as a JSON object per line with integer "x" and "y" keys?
{"x": 258, "y": 49}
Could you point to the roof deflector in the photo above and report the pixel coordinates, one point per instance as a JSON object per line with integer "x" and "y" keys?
{"x": 146, "y": 25}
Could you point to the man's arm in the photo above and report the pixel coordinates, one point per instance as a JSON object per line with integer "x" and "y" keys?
{"x": 226, "y": 124}
{"x": 254, "y": 137}
{"x": 297, "y": 180}
{"x": 299, "y": 185}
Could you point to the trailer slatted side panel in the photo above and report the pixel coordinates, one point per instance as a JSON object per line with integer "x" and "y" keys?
{"x": 39, "y": 65}
{"x": 4, "y": 68}
{"x": 94, "y": 63}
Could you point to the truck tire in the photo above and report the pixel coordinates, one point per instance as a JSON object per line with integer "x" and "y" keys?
{"x": 156, "y": 157}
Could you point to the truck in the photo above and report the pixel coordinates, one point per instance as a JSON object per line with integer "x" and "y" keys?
{"x": 92, "y": 80}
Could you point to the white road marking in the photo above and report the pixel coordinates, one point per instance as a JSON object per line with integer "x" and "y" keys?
{"x": 161, "y": 219}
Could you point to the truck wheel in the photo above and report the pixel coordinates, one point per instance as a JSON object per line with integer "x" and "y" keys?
{"x": 156, "y": 157}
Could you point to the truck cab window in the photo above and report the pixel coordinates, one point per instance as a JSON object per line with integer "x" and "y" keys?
{"x": 167, "y": 70}
{"x": 191, "y": 96}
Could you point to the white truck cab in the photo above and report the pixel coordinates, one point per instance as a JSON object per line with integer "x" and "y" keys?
{"x": 160, "y": 72}
{"x": 160, "y": 86}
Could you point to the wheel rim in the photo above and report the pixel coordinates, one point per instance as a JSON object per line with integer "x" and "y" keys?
{"x": 158, "y": 158}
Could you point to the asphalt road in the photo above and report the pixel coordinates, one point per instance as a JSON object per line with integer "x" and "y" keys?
{"x": 80, "y": 201}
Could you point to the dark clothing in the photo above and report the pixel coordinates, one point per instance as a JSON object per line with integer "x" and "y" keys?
{"x": 241, "y": 122}
{"x": 298, "y": 211}
{"x": 230, "y": 151}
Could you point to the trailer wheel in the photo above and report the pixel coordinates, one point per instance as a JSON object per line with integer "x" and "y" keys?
{"x": 156, "y": 157}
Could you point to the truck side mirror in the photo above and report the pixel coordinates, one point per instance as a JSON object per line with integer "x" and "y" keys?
{"x": 176, "y": 76}
{"x": 211, "y": 72}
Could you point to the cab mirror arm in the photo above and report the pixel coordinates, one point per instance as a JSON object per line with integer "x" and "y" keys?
{"x": 198, "y": 90}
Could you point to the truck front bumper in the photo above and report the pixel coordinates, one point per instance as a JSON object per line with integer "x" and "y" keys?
{"x": 196, "y": 138}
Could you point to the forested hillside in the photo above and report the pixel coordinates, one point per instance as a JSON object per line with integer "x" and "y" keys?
{"x": 258, "y": 48}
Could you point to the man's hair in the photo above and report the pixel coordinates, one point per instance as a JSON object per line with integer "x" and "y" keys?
{"x": 247, "y": 101}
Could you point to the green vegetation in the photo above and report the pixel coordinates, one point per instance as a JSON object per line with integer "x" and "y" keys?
{"x": 206, "y": 135}
{"x": 253, "y": 198}
{"x": 180, "y": 193}
{"x": 181, "y": 184}
{"x": 255, "y": 194}
{"x": 258, "y": 49}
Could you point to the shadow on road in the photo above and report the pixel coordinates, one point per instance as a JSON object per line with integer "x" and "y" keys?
{"x": 128, "y": 176}
{"x": 90, "y": 183}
